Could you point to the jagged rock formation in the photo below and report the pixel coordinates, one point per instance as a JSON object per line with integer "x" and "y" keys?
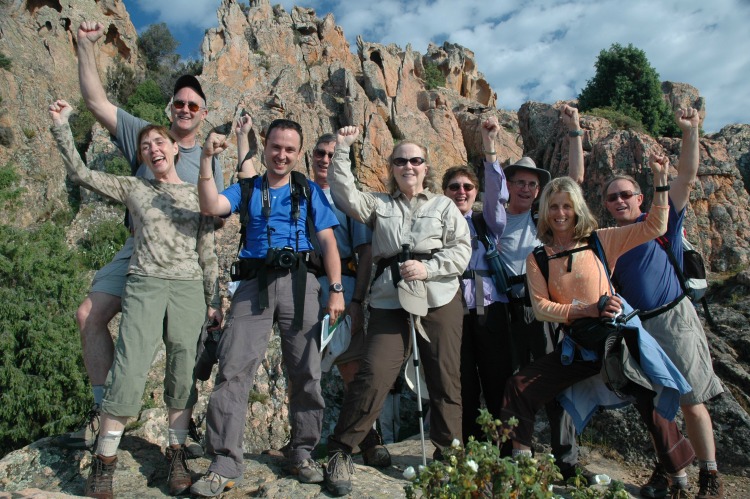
{"x": 296, "y": 65}
{"x": 39, "y": 38}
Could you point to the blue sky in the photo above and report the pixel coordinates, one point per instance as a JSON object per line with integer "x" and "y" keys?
{"x": 541, "y": 50}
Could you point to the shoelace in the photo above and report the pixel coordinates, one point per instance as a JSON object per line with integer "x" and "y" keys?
{"x": 102, "y": 476}
{"x": 709, "y": 484}
{"x": 334, "y": 464}
{"x": 178, "y": 457}
{"x": 214, "y": 480}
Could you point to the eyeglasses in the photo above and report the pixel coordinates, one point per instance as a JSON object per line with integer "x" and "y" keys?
{"x": 456, "y": 186}
{"x": 415, "y": 161}
{"x": 194, "y": 107}
{"x": 522, "y": 185}
{"x": 625, "y": 195}
{"x": 320, "y": 153}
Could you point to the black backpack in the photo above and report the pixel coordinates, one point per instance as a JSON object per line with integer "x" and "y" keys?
{"x": 300, "y": 188}
{"x": 542, "y": 260}
{"x": 691, "y": 274}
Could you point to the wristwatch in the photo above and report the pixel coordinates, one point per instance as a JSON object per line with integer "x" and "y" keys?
{"x": 336, "y": 287}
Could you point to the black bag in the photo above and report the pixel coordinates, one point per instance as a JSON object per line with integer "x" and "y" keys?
{"x": 205, "y": 356}
{"x": 591, "y": 333}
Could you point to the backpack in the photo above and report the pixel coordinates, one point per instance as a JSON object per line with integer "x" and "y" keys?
{"x": 497, "y": 270}
{"x": 542, "y": 260}
{"x": 299, "y": 187}
{"x": 691, "y": 274}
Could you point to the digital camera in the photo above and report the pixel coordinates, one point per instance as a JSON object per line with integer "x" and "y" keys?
{"x": 282, "y": 258}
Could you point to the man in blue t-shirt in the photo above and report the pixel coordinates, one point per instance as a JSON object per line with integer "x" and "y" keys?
{"x": 273, "y": 288}
{"x": 648, "y": 281}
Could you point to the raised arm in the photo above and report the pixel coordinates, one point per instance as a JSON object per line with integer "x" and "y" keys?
{"x": 245, "y": 167}
{"x": 358, "y": 205}
{"x": 88, "y": 75}
{"x": 569, "y": 116}
{"x": 495, "y": 187}
{"x": 688, "y": 120}
{"x": 211, "y": 202}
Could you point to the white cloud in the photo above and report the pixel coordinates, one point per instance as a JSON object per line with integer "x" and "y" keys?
{"x": 545, "y": 50}
{"x": 182, "y": 14}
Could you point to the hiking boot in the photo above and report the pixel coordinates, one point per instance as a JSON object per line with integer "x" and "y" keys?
{"x": 307, "y": 471}
{"x": 676, "y": 492}
{"x": 709, "y": 485}
{"x": 573, "y": 472}
{"x": 374, "y": 452}
{"x": 85, "y": 436}
{"x": 99, "y": 482}
{"x": 179, "y": 474}
{"x": 658, "y": 485}
{"x": 194, "y": 443}
{"x": 212, "y": 484}
{"x": 338, "y": 474}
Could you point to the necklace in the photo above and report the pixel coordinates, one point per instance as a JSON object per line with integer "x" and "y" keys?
{"x": 558, "y": 248}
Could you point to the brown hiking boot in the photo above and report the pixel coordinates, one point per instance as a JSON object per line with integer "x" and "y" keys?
{"x": 179, "y": 474}
{"x": 710, "y": 486}
{"x": 99, "y": 482}
{"x": 374, "y": 452}
{"x": 658, "y": 485}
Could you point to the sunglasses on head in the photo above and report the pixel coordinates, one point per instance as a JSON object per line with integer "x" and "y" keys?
{"x": 456, "y": 186}
{"x": 625, "y": 195}
{"x": 194, "y": 107}
{"x": 320, "y": 153}
{"x": 415, "y": 161}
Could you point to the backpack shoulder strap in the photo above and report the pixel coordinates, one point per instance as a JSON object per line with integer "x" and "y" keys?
{"x": 542, "y": 261}
{"x": 480, "y": 225}
{"x": 303, "y": 187}
{"x": 247, "y": 185}
{"x": 596, "y": 247}
{"x": 667, "y": 247}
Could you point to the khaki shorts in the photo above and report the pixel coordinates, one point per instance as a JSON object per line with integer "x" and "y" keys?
{"x": 111, "y": 278}
{"x": 680, "y": 334}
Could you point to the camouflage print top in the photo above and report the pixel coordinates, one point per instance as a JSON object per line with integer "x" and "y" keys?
{"x": 172, "y": 239}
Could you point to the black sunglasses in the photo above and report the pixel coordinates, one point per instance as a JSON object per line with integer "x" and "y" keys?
{"x": 415, "y": 161}
{"x": 456, "y": 186}
{"x": 625, "y": 195}
{"x": 320, "y": 153}
{"x": 194, "y": 107}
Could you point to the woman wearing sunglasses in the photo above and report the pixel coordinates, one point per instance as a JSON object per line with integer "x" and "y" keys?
{"x": 410, "y": 215}
{"x": 486, "y": 353}
{"x": 577, "y": 286}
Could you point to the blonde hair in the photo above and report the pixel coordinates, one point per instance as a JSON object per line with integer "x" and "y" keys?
{"x": 430, "y": 179}
{"x": 585, "y": 221}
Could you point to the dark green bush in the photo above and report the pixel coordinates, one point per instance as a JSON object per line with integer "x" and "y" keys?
{"x": 5, "y": 62}
{"x": 433, "y": 76}
{"x": 9, "y": 190}
{"x": 101, "y": 243}
{"x": 43, "y": 389}
{"x": 81, "y": 122}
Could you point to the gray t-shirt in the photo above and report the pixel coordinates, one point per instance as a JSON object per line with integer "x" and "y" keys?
{"x": 517, "y": 241}
{"x": 187, "y": 167}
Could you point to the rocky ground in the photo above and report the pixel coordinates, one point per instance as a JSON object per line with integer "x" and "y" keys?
{"x": 42, "y": 471}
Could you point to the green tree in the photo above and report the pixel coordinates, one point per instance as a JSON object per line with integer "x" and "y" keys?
{"x": 43, "y": 388}
{"x": 158, "y": 46}
{"x": 626, "y": 82}
{"x": 433, "y": 76}
{"x": 148, "y": 103}
{"x": 120, "y": 82}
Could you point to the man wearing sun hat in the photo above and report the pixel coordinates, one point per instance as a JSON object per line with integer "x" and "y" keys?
{"x": 187, "y": 112}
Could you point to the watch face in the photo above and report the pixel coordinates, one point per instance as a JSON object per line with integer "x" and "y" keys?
{"x": 336, "y": 287}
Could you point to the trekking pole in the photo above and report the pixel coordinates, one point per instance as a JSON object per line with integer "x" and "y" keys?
{"x": 405, "y": 255}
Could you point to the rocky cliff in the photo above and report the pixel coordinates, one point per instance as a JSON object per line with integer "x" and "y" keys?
{"x": 275, "y": 63}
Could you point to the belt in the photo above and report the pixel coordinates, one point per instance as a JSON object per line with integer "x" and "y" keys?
{"x": 660, "y": 310}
